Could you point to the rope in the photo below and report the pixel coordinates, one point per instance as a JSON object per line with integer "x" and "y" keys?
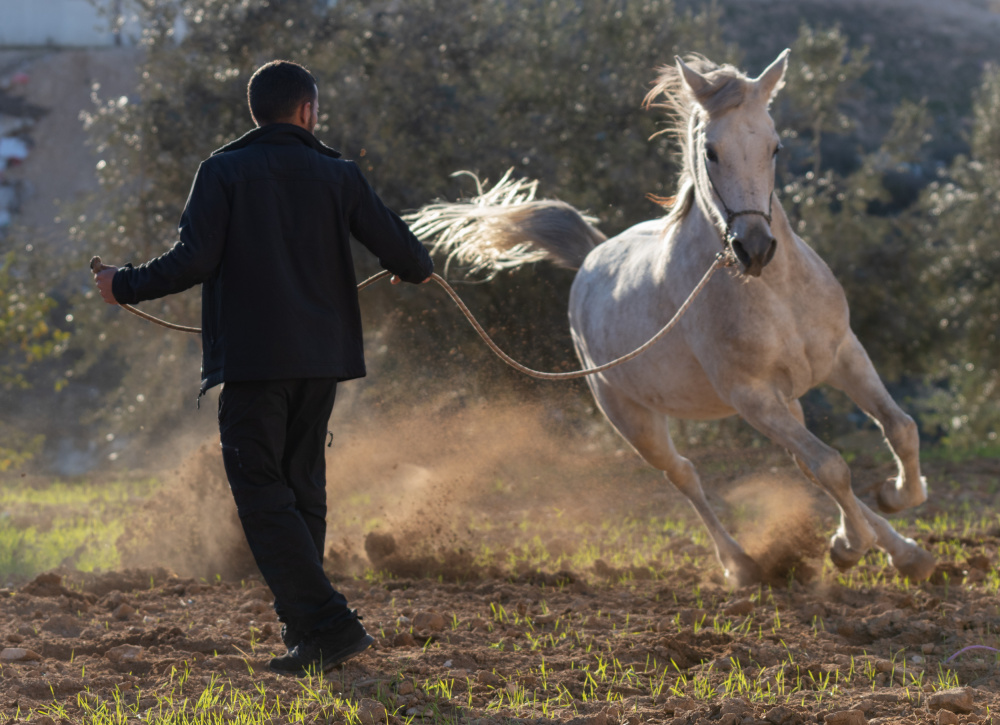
{"x": 721, "y": 260}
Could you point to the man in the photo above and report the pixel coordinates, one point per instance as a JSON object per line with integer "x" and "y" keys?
{"x": 266, "y": 231}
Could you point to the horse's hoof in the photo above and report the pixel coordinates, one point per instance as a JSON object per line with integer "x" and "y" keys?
{"x": 892, "y": 499}
{"x": 842, "y": 555}
{"x": 743, "y": 572}
{"x": 916, "y": 564}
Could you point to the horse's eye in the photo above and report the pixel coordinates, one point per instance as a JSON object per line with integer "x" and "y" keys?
{"x": 711, "y": 155}
{"x": 777, "y": 149}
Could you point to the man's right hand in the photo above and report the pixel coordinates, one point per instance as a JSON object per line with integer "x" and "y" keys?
{"x": 103, "y": 276}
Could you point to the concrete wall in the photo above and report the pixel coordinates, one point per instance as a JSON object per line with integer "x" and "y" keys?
{"x": 57, "y": 22}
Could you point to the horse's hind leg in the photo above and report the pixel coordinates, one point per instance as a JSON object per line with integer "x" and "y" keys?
{"x": 781, "y": 421}
{"x": 854, "y": 374}
{"x": 648, "y": 433}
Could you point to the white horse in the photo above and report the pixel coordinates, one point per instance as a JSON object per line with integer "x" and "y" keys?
{"x": 752, "y": 344}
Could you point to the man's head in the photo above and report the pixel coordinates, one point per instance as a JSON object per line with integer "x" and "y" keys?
{"x": 283, "y": 92}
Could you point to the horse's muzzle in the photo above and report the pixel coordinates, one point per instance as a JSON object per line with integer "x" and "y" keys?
{"x": 754, "y": 253}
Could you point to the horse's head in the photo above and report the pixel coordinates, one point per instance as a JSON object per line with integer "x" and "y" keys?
{"x": 731, "y": 149}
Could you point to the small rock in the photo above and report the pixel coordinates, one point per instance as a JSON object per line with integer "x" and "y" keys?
{"x": 927, "y": 649}
{"x": 739, "y": 608}
{"x": 485, "y": 677}
{"x": 64, "y": 625}
{"x": 690, "y": 617}
{"x": 404, "y": 639}
{"x": 676, "y": 705}
{"x": 884, "y": 666}
{"x": 781, "y": 715}
{"x": 846, "y": 717}
{"x": 48, "y": 584}
{"x": 405, "y": 687}
{"x": 255, "y": 606}
{"x": 371, "y": 712}
{"x": 431, "y": 621}
{"x": 19, "y": 654}
{"x": 124, "y": 653}
{"x": 43, "y": 720}
{"x": 736, "y": 706}
{"x": 957, "y": 700}
{"x": 978, "y": 561}
{"x": 946, "y": 717}
{"x": 123, "y": 612}
{"x": 15, "y": 638}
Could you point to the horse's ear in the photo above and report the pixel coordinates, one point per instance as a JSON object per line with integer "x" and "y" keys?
{"x": 772, "y": 79}
{"x": 694, "y": 81}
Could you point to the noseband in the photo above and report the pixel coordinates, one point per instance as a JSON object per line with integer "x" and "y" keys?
{"x": 731, "y": 216}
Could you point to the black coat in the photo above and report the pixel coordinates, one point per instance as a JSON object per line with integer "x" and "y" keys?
{"x": 266, "y": 232}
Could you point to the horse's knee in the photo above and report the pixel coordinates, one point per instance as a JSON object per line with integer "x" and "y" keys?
{"x": 833, "y": 473}
{"x": 904, "y": 436}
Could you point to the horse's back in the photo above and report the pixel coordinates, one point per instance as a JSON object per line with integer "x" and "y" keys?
{"x": 627, "y": 289}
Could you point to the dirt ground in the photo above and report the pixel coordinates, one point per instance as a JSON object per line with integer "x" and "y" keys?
{"x": 583, "y": 640}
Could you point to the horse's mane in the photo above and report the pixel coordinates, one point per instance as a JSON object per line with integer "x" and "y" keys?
{"x": 727, "y": 88}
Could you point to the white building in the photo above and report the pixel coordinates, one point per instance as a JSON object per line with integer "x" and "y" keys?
{"x": 72, "y": 23}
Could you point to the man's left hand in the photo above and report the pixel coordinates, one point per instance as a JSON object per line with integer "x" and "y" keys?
{"x": 396, "y": 280}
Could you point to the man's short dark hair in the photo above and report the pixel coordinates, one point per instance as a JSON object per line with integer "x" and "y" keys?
{"x": 277, "y": 89}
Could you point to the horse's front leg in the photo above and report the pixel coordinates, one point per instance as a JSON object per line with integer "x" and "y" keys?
{"x": 904, "y": 553}
{"x": 780, "y": 421}
{"x": 854, "y": 374}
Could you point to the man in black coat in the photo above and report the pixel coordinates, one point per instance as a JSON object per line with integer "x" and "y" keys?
{"x": 266, "y": 232}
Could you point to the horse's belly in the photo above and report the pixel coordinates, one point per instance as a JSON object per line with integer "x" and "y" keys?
{"x": 672, "y": 384}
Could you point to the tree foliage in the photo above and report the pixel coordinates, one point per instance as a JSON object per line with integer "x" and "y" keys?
{"x": 960, "y": 225}
{"x": 27, "y": 337}
{"x": 416, "y": 91}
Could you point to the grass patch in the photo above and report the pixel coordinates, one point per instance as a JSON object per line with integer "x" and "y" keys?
{"x": 77, "y": 525}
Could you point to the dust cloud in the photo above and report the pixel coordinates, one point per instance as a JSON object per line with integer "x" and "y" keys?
{"x": 780, "y": 525}
{"x": 419, "y": 490}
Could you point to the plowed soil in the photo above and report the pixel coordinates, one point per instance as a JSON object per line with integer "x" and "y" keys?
{"x": 648, "y": 635}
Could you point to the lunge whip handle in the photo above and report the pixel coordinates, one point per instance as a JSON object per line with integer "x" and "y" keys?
{"x": 96, "y": 265}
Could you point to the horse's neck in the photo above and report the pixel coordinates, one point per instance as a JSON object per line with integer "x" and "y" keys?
{"x": 698, "y": 240}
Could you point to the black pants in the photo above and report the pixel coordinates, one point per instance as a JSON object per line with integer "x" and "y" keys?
{"x": 272, "y": 445}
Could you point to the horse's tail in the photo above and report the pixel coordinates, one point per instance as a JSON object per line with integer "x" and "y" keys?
{"x": 504, "y": 227}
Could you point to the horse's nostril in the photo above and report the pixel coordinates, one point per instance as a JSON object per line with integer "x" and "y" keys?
{"x": 741, "y": 253}
{"x": 769, "y": 254}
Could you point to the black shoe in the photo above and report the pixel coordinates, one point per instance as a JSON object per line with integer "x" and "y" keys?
{"x": 323, "y": 650}
{"x": 291, "y": 635}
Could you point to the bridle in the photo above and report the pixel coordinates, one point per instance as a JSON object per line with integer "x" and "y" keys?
{"x": 731, "y": 216}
